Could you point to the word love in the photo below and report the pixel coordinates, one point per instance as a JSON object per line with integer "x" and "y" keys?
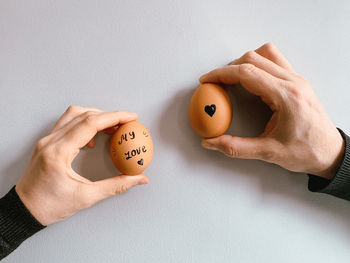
{"x": 134, "y": 152}
{"x": 126, "y": 136}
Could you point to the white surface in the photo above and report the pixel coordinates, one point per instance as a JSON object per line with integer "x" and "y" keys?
{"x": 146, "y": 56}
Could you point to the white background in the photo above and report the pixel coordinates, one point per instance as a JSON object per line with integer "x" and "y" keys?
{"x": 146, "y": 57}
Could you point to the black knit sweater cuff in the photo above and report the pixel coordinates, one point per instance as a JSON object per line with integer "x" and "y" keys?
{"x": 339, "y": 186}
{"x": 16, "y": 222}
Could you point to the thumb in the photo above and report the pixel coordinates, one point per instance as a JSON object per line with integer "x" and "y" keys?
{"x": 117, "y": 185}
{"x": 242, "y": 147}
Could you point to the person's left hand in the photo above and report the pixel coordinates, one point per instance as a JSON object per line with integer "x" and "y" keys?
{"x": 50, "y": 189}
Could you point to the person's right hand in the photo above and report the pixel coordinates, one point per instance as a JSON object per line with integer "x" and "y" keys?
{"x": 299, "y": 136}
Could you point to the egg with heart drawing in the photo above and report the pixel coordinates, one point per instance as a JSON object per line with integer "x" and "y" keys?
{"x": 131, "y": 148}
{"x": 210, "y": 110}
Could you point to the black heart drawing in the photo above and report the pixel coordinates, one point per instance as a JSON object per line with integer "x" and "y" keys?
{"x": 210, "y": 110}
{"x": 140, "y": 162}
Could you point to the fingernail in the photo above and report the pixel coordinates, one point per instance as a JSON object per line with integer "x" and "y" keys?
{"x": 143, "y": 181}
{"x": 208, "y": 145}
{"x": 202, "y": 78}
{"x": 133, "y": 116}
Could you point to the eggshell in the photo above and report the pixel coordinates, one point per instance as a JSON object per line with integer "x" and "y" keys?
{"x": 131, "y": 148}
{"x": 210, "y": 110}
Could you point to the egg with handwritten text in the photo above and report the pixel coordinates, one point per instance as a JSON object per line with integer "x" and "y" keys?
{"x": 210, "y": 111}
{"x": 131, "y": 148}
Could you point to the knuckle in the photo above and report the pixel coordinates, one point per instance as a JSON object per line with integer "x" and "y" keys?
{"x": 45, "y": 158}
{"x": 246, "y": 68}
{"x": 50, "y": 150}
{"x": 53, "y": 151}
{"x": 87, "y": 114}
{"x": 121, "y": 188}
{"x": 40, "y": 144}
{"x": 89, "y": 118}
{"x": 249, "y": 56}
{"x": 294, "y": 91}
{"x": 49, "y": 154}
{"x": 73, "y": 109}
{"x": 232, "y": 151}
{"x": 269, "y": 47}
{"x": 228, "y": 148}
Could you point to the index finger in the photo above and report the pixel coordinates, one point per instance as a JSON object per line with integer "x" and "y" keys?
{"x": 71, "y": 113}
{"x": 80, "y": 134}
{"x": 254, "y": 79}
{"x": 271, "y": 52}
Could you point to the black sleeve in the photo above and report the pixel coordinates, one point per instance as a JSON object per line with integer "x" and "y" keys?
{"x": 339, "y": 186}
{"x": 16, "y": 223}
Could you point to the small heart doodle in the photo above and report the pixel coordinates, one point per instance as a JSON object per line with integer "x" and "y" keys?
{"x": 210, "y": 109}
{"x": 140, "y": 162}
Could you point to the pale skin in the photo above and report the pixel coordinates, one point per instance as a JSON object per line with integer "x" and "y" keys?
{"x": 299, "y": 137}
{"x": 50, "y": 188}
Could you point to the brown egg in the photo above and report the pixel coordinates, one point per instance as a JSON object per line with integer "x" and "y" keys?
{"x": 131, "y": 148}
{"x": 210, "y": 111}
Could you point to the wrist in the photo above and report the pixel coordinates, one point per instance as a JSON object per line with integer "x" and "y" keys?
{"x": 335, "y": 159}
{"x": 32, "y": 205}
{"x": 17, "y": 223}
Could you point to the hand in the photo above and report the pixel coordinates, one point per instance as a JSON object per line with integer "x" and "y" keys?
{"x": 299, "y": 136}
{"x": 50, "y": 189}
